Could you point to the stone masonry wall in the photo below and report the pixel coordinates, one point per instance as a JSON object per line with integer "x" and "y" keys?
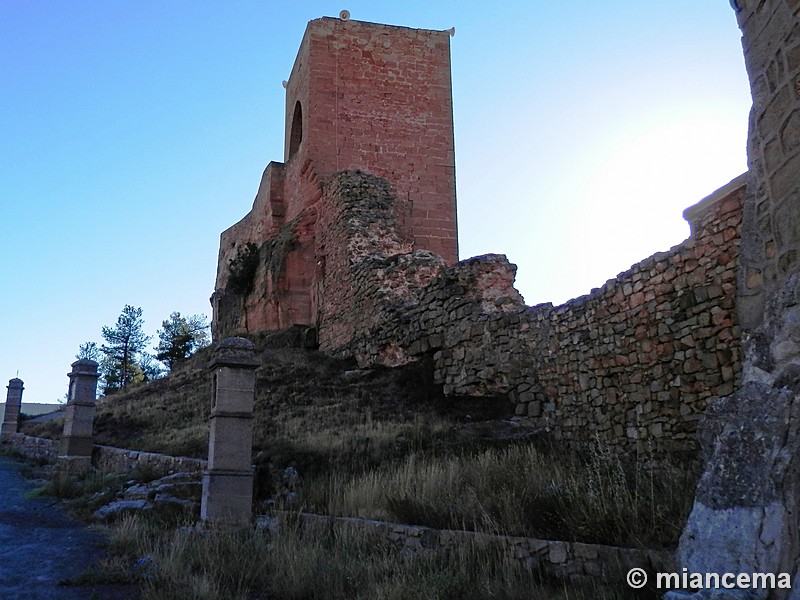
{"x": 34, "y": 447}
{"x": 636, "y": 362}
{"x": 359, "y": 227}
{"x": 633, "y": 364}
{"x": 559, "y": 559}
{"x": 108, "y": 458}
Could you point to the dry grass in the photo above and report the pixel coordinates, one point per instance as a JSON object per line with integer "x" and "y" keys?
{"x": 310, "y": 410}
{"x": 385, "y": 443}
{"x": 519, "y": 490}
{"x": 299, "y": 563}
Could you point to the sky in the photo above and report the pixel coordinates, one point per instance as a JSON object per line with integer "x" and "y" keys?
{"x": 133, "y": 132}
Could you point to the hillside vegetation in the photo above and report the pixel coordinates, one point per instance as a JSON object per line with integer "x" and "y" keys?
{"x": 386, "y": 444}
{"x": 311, "y": 411}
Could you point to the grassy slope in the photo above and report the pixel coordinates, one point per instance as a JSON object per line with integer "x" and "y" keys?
{"x": 311, "y": 411}
{"x": 371, "y": 442}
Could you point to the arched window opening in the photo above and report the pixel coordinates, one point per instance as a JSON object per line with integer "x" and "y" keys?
{"x": 296, "y": 136}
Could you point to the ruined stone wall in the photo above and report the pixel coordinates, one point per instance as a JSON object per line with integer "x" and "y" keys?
{"x": 360, "y": 96}
{"x": 635, "y": 363}
{"x": 279, "y": 294}
{"x": 358, "y": 236}
{"x": 632, "y": 364}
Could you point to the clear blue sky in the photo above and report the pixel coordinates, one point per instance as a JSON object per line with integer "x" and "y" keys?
{"x": 133, "y": 133}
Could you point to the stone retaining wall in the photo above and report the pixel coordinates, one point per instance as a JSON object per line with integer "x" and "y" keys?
{"x": 564, "y": 560}
{"x": 107, "y": 458}
{"x": 632, "y": 365}
{"x": 34, "y": 447}
{"x": 119, "y": 460}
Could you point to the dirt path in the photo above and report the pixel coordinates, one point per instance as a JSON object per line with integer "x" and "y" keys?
{"x": 40, "y": 546}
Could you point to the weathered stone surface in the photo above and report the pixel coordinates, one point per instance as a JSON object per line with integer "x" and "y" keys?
{"x": 370, "y": 124}
{"x": 563, "y": 560}
{"x": 178, "y": 490}
{"x": 109, "y": 459}
{"x": 744, "y": 518}
{"x": 75, "y": 450}
{"x": 234, "y": 352}
{"x": 644, "y": 354}
{"x": 227, "y": 491}
{"x": 119, "y": 460}
{"x": 745, "y": 514}
{"x": 114, "y": 509}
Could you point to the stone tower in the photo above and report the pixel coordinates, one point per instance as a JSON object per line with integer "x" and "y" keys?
{"x": 361, "y": 96}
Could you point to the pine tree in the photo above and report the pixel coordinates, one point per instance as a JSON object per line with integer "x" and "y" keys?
{"x": 180, "y": 337}
{"x": 123, "y": 344}
{"x": 88, "y": 351}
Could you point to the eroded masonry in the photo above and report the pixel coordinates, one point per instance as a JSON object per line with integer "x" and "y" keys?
{"x": 361, "y": 96}
{"x": 354, "y": 235}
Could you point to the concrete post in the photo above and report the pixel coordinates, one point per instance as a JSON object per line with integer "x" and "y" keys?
{"x": 228, "y": 482}
{"x": 13, "y": 405}
{"x": 75, "y": 450}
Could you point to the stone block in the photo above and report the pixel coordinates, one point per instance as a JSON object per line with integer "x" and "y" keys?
{"x": 78, "y": 420}
{"x": 558, "y": 552}
{"x": 227, "y": 497}
{"x": 230, "y": 443}
{"x": 76, "y": 446}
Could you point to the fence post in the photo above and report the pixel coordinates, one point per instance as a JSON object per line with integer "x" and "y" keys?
{"x": 228, "y": 482}
{"x": 13, "y": 406}
{"x": 75, "y": 449}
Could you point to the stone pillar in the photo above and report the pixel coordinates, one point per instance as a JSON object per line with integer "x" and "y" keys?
{"x": 228, "y": 482}
{"x": 13, "y": 405}
{"x": 75, "y": 450}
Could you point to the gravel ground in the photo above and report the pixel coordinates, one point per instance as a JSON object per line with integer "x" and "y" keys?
{"x": 40, "y": 546}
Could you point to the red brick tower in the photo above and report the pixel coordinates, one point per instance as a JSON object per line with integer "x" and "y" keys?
{"x": 363, "y": 96}
{"x": 378, "y": 98}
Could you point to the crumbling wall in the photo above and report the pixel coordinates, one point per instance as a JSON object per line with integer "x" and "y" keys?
{"x": 273, "y": 291}
{"x": 636, "y": 362}
{"x": 360, "y": 96}
{"x": 633, "y": 364}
